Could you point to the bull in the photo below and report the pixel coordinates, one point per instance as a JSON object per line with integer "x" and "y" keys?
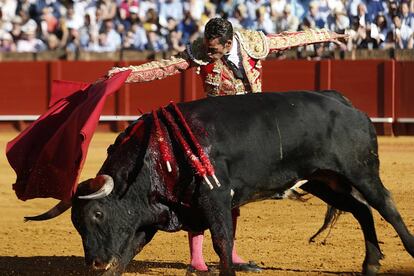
{"x": 260, "y": 145}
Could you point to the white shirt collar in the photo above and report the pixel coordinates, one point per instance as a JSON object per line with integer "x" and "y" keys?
{"x": 234, "y": 55}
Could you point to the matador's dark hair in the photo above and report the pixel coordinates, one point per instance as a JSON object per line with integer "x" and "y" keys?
{"x": 218, "y": 28}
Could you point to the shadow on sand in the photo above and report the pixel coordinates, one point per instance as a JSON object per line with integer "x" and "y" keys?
{"x": 74, "y": 265}
{"x": 70, "y": 265}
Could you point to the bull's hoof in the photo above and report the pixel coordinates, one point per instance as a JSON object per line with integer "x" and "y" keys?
{"x": 371, "y": 270}
{"x": 247, "y": 267}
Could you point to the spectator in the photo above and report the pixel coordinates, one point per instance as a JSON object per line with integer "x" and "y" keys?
{"x": 62, "y": 32}
{"x": 187, "y": 27}
{"x": 108, "y": 9}
{"x": 209, "y": 12}
{"x": 362, "y": 15}
{"x": 352, "y": 7}
{"x": 27, "y": 22}
{"x": 136, "y": 38}
{"x": 374, "y": 8}
{"x": 403, "y": 35}
{"x": 109, "y": 39}
{"x": 323, "y": 11}
{"x": 240, "y": 19}
{"x": 379, "y": 30}
{"x": 99, "y": 18}
{"x": 84, "y": 33}
{"x": 152, "y": 21}
{"x": 72, "y": 20}
{"x": 288, "y": 21}
{"x": 357, "y": 34}
{"x": 225, "y": 8}
{"x": 338, "y": 21}
{"x": 96, "y": 43}
{"x": 144, "y": 7}
{"x": 252, "y": 6}
{"x": 16, "y": 31}
{"x": 156, "y": 43}
{"x": 195, "y": 7}
{"x": 5, "y": 24}
{"x": 8, "y": 10}
{"x": 37, "y": 10}
{"x": 6, "y": 42}
{"x": 53, "y": 42}
{"x": 131, "y": 18}
{"x": 407, "y": 17}
{"x": 277, "y": 8}
{"x": 312, "y": 19}
{"x": 263, "y": 22}
{"x": 171, "y": 8}
{"x": 125, "y": 9}
{"x": 48, "y": 22}
{"x": 29, "y": 42}
{"x": 392, "y": 10}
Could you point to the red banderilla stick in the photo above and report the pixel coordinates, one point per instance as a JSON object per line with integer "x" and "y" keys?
{"x": 194, "y": 161}
{"x": 164, "y": 149}
{"x": 203, "y": 156}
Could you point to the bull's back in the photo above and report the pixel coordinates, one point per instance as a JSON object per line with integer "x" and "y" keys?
{"x": 268, "y": 140}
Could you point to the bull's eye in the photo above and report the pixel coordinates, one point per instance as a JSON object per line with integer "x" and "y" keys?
{"x": 98, "y": 215}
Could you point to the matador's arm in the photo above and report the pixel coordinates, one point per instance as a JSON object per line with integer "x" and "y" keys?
{"x": 287, "y": 40}
{"x": 154, "y": 70}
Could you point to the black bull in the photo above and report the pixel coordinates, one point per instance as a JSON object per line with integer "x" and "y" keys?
{"x": 259, "y": 144}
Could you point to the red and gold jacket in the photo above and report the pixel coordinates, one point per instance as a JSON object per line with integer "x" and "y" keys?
{"x": 218, "y": 79}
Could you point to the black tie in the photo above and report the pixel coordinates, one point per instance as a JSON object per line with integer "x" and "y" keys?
{"x": 236, "y": 71}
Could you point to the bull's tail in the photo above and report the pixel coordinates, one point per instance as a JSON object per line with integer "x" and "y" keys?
{"x": 331, "y": 217}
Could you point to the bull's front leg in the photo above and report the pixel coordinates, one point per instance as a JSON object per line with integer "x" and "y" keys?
{"x": 216, "y": 205}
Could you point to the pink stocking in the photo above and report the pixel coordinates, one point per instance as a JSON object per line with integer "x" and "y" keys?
{"x": 196, "y": 251}
{"x": 235, "y": 257}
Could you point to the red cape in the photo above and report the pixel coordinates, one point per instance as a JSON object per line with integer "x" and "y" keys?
{"x": 49, "y": 155}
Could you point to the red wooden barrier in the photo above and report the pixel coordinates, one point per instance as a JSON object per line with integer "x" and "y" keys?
{"x": 381, "y": 88}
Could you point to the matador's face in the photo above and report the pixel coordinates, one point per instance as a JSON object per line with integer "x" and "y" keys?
{"x": 216, "y": 50}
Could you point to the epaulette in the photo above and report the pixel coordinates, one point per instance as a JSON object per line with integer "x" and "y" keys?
{"x": 254, "y": 43}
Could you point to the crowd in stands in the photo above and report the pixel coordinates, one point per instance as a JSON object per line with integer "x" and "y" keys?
{"x": 161, "y": 25}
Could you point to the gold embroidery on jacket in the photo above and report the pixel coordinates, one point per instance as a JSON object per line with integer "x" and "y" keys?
{"x": 287, "y": 40}
{"x": 155, "y": 69}
{"x": 254, "y": 43}
{"x": 252, "y": 74}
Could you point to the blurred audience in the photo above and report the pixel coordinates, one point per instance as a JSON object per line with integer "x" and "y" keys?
{"x": 168, "y": 25}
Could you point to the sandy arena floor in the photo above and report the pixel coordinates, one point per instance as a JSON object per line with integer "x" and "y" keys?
{"x": 272, "y": 233}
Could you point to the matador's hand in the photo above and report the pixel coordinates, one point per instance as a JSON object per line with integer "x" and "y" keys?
{"x": 338, "y": 38}
{"x": 113, "y": 71}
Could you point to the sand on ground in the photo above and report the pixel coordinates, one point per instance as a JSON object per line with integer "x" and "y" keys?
{"x": 272, "y": 233}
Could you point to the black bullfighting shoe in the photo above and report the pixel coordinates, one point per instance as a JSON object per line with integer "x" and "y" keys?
{"x": 193, "y": 271}
{"x": 247, "y": 267}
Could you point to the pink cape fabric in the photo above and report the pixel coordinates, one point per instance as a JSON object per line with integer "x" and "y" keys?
{"x": 49, "y": 155}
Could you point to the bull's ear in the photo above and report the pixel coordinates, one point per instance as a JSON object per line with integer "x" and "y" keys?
{"x": 98, "y": 187}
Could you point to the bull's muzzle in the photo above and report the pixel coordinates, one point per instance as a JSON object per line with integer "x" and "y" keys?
{"x": 97, "y": 264}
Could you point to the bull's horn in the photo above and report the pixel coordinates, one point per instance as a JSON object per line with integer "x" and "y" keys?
{"x": 105, "y": 184}
{"x": 60, "y": 208}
